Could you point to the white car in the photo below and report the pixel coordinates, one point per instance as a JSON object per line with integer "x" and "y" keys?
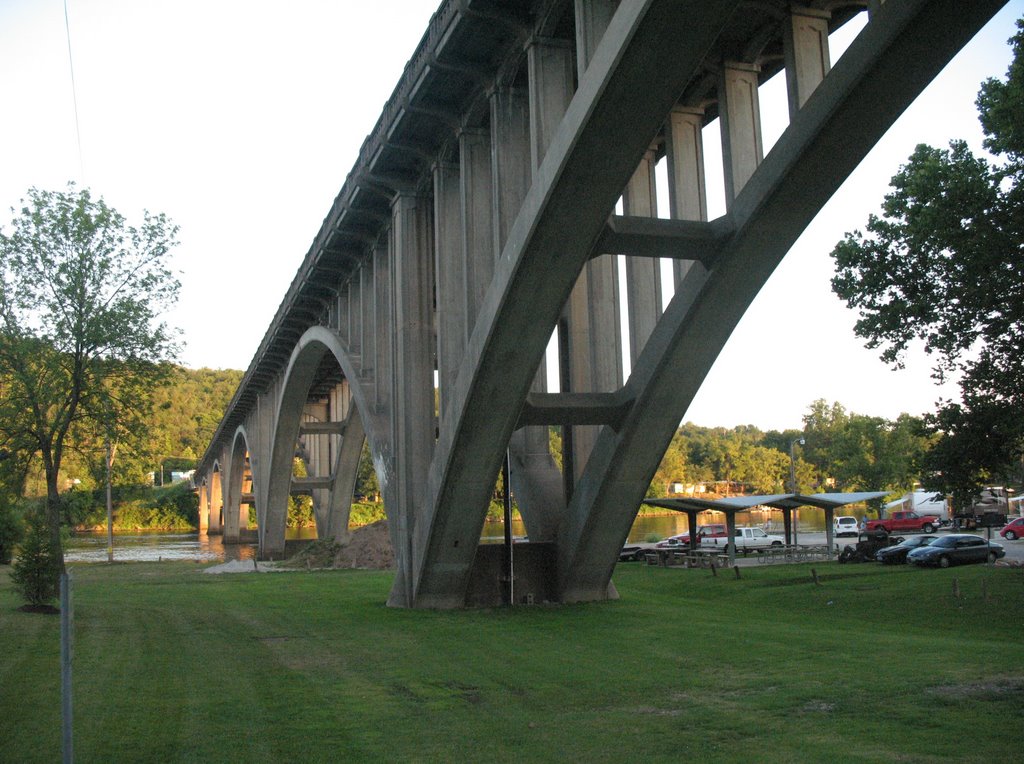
{"x": 845, "y": 525}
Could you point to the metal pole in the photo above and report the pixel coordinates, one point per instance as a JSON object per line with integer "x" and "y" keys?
{"x": 66, "y": 655}
{"x": 792, "y": 486}
{"x": 507, "y": 506}
{"x": 110, "y": 509}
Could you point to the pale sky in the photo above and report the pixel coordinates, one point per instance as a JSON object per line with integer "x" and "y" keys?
{"x": 241, "y": 119}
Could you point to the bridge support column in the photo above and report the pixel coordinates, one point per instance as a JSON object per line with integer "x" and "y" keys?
{"x": 477, "y": 230}
{"x": 534, "y": 477}
{"x": 450, "y": 265}
{"x": 643, "y": 274}
{"x": 594, "y": 341}
{"x": 523, "y": 122}
{"x": 362, "y": 312}
{"x": 740, "y": 116}
{"x": 383, "y": 324}
{"x": 807, "y": 55}
{"x": 204, "y": 507}
{"x": 413, "y": 424}
{"x": 687, "y": 188}
{"x": 216, "y": 501}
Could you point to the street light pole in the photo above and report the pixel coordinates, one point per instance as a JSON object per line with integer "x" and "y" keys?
{"x": 792, "y": 484}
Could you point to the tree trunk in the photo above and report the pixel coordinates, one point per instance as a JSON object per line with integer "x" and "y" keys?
{"x": 53, "y": 518}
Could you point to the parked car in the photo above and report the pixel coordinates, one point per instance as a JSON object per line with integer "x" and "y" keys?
{"x": 675, "y": 542}
{"x": 955, "y": 549}
{"x": 636, "y": 551}
{"x": 1013, "y": 530}
{"x": 897, "y": 554}
{"x": 845, "y": 525}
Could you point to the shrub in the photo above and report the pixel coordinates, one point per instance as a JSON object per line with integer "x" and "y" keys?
{"x": 365, "y": 513}
{"x": 86, "y": 508}
{"x": 300, "y": 512}
{"x": 179, "y": 499}
{"x": 138, "y": 515}
{"x": 36, "y": 573}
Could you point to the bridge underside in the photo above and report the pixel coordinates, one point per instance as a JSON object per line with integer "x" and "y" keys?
{"x": 482, "y": 218}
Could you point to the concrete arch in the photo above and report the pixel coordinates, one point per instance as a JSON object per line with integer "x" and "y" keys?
{"x": 216, "y": 507}
{"x": 309, "y": 351}
{"x": 236, "y": 514}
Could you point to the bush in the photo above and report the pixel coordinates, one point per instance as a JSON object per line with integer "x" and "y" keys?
{"x": 179, "y": 499}
{"x": 86, "y": 508}
{"x": 138, "y": 516}
{"x": 36, "y": 573}
{"x": 11, "y": 530}
{"x": 300, "y": 512}
{"x": 365, "y": 513}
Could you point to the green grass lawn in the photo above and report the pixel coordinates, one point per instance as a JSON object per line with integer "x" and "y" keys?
{"x": 873, "y": 664}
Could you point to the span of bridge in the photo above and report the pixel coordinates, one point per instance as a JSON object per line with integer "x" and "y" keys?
{"x": 482, "y": 216}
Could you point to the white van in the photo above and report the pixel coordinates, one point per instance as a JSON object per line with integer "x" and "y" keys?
{"x": 845, "y": 525}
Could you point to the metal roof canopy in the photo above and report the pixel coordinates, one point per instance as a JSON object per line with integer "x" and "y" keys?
{"x": 777, "y": 501}
{"x": 787, "y": 502}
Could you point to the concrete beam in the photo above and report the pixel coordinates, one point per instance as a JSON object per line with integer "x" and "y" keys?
{"x": 322, "y": 428}
{"x": 575, "y": 409}
{"x": 672, "y": 239}
{"x": 305, "y": 485}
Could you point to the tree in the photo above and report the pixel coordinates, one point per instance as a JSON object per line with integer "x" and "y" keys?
{"x": 944, "y": 264}
{"x": 854, "y": 452}
{"x": 36, "y": 573}
{"x": 81, "y": 343}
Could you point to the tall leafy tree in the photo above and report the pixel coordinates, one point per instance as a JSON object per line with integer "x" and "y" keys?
{"x": 944, "y": 264}
{"x": 854, "y": 452}
{"x": 81, "y": 339}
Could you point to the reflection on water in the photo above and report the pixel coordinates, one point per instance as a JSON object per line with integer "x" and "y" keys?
{"x": 150, "y": 546}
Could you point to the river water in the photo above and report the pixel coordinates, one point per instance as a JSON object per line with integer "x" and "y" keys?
{"x": 151, "y": 546}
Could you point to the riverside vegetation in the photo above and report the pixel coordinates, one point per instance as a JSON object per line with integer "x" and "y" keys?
{"x": 174, "y": 665}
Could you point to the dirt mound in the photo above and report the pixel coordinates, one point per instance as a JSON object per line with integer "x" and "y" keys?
{"x": 369, "y": 548}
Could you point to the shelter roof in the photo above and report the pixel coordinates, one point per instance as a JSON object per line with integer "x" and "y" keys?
{"x": 778, "y": 501}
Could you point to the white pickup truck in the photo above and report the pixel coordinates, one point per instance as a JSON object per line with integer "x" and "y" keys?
{"x": 746, "y": 539}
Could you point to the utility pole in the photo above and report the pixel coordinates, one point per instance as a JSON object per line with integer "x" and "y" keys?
{"x": 110, "y": 504}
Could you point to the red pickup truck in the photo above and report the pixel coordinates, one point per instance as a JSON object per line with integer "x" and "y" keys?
{"x": 904, "y": 521}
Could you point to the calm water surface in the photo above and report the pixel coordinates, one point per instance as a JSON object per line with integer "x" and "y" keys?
{"x": 150, "y": 546}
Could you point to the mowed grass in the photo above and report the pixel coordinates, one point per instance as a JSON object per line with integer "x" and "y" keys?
{"x": 872, "y": 664}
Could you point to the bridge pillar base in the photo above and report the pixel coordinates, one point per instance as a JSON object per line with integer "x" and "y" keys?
{"x": 534, "y": 577}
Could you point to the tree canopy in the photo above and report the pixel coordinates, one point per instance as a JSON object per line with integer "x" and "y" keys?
{"x": 82, "y": 345}
{"x": 842, "y": 451}
{"x": 943, "y": 264}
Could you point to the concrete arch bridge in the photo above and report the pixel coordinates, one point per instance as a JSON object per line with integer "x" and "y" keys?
{"x": 512, "y": 168}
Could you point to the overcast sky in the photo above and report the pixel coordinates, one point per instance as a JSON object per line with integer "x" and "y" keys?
{"x": 240, "y": 121}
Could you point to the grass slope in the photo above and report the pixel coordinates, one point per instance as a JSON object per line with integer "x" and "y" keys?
{"x": 874, "y": 664}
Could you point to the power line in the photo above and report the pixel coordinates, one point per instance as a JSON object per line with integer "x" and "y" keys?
{"x": 74, "y": 96}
